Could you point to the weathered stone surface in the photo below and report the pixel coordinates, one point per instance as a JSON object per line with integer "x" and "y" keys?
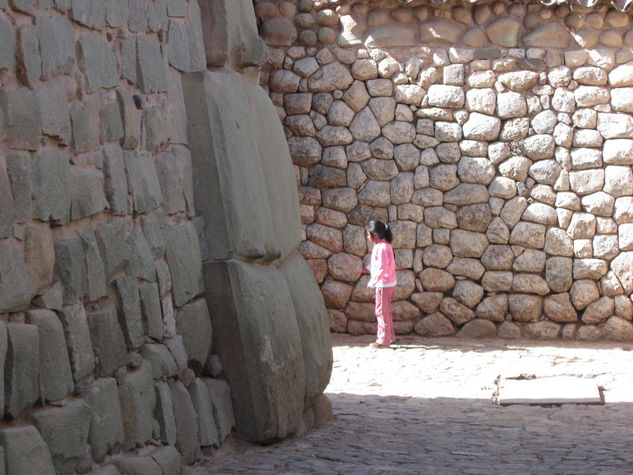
{"x": 183, "y": 258}
{"x": 623, "y": 268}
{"x": 25, "y": 451}
{"x": 71, "y": 266}
{"x": 439, "y": 30}
{"x": 130, "y": 311}
{"x": 435, "y": 324}
{"x": 280, "y": 410}
{"x": 55, "y": 35}
{"x": 525, "y": 308}
{"x": 142, "y": 465}
{"x": 116, "y": 188}
{"x": 529, "y": 235}
{"x": 558, "y": 308}
{"x": 65, "y": 431}
{"x": 163, "y": 363}
{"x": 143, "y": 181}
{"x": 21, "y": 371}
{"x": 186, "y": 423}
{"x": 194, "y": 325}
{"x": 481, "y": 127}
{"x": 164, "y": 413}
{"x": 493, "y": 308}
{"x": 220, "y": 393}
{"x": 97, "y": 61}
{"x": 55, "y": 110}
{"x": 583, "y": 292}
{"x": 52, "y": 186}
{"x": 141, "y": 260}
{"x": 117, "y": 12}
{"x": 107, "y": 340}
{"x": 115, "y": 251}
{"x": 478, "y": 329}
{"x": 201, "y": 400}
{"x": 136, "y": 393}
{"x": 312, "y": 322}
{"x": 85, "y": 125}
{"x": 446, "y": 96}
{"x": 151, "y": 311}
{"x": 56, "y": 377}
{"x": 151, "y": 67}
{"x": 106, "y": 423}
{"x": 88, "y": 197}
{"x": 618, "y": 329}
{"x": 19, "y": 171}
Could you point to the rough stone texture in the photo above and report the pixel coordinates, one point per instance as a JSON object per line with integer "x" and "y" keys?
{"x": 25, "y": 451}
{"x": 220, "y": 394}
{"x": 201, "y": 400}
{"x": 21, "y": 371}
{"x": 136, "y": 393}
{"x": 107, "y": 340}
{"x": 106, "y": 423}
{"x": 186, "y": 423}
{"x": 52, "y": 186}
{"x": 275, "y": 365}
{"x": 183, "y": 257}
{"x": 129, "y": 311}
{"x": 194, "y": 325}
{"x": 164, "y": 413}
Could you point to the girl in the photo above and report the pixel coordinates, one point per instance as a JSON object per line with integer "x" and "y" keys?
{"x": 382, "y": 269}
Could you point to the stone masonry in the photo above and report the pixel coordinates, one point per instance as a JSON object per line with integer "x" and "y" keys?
{"x": 496, "y": 139}
{"x": 147, "y": 198}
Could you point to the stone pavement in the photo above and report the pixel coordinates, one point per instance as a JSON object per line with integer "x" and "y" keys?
{"x": 425, "y": 406}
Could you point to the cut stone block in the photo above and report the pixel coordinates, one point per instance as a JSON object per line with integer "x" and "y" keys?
{"x": 56, "y": 376}
{"x": 113, "y": 246}
{"x": 143, "y": 181}
{"x": 39, "y": 254}
{"x": 65, "y": 432}
{"x": 158, "y": 16}
{"x": 137, "y": 396}
{"x": 137, "y": 465}
{"x": 3, "y": 357}
{"x": 78, "y": 342}
{"x": 186, "y": 423}
{"x": 165, "y": 413}
{"x": 71, "y": 267}
{"x": 25, "y": 451}
{"x": 131, "y": 117}
{"x": 19, "y": 166}
{"x": 141, "y": 259}
{"x": 95, "y": 271}
{"x": 194, "y": 325}
{"x": 111, "y": 123}
{"x": 97, "y": 61}
{"x": 88, "y": 197}
{"x": 115, "y": 179}
{"x": 314, "y": 325}
{"x": 258, "y": 340}
{"x": 154, "y": 230}
{"x": 138, "y": 16}
{"x": 207, "y": 430}
{"x": 151, "y": 66}
{"x": 55, "y": 110}
{"x": 117, "y": 12}
{"x": 7, "y": 42}
{"x": 107, "y": 340}
{"x": 22, "y": 118}
{"x": 90, "y": 13}
{"x": 230, "y": 34}
{"x": 56, "y": 40}
{"x": 176, "y": 180}
{"x": 106, "y": 422}
{"x": 130, "y": 311}
{"x": 85, "y": 125}
{"x": 549, "y": 390}
{"x": 185, "y": 262}
{"x": 151, "y": 311}
{"x": 52, "y": 186}
{"x": 176, "y": 109}
{"x": 220, "y": 394}
{"x": 7, "y": 213}
{"x": 29, "y": 61}
{"x": 52, "y": 298}
{"x": 163, "y": 363}
{"x": 168, "y": 459}
{"x": 21, "y": 371}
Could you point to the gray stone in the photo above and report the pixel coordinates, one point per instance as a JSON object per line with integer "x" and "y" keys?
{"x": 623, "y": 268}
{"x": 175, "y": 176}
{"x": 143, "y": 181}
{"x": 15, "y": 284}
{"x": 155, "y": 127}
{"x": 231, "y": 37}
{"x": 435, "y": 325}
{"x": 178, "y": 46}
{"x": 107, "y": 340}
{"x": 71, "y": 267}
{"x": 85, "y": 125}
{"x": 111, "y": 122}
{"x": 128, "y": 59}
{"x": 493, "y": 308}
{"x": 7, "y": 50}
{"x": 97, "y": 60}
{"x": 19, "y": 167}
{"x": 21, "y": 371}
{"x": 56, "y": 377}
{"x": 39, "y": 255}
{"x": 106, "y": 423}
{"x": 90, "y": 13}
{"x": 168, "y": 459}
{"x": 176, "y": 110}
{"x": 138, "y": 16}
{"x": 164, "y": 413}
{"x": 25, "y": 451}
{"x": 130, "y": 311}
{"x": 151, "y": 67}
{"x": 3, "y": 356}
{"x": 88, "y": 197}
{"x": 116, "y": 12}
{"x": 154, "y": 230}
{"x": 330, "y": 77}
{"x": 163, "y": 363}
{"x": 151, "y": 311}
{"x": 56, "y": 39}
{"x": 183, "y": 258}
{"x": 29, "y": 61}
{"x": 220, "y": 394}
{"x": 136, "y": 465}
{"x": 7, "y": 208}
{"x": 65, "y": 432}
{"x": 201, "y": 400}
{"x": 194, "y": 325}
{"x": 22, "y": 118}
{"x": 158, "y": 16}
{"x": 141, "y": 258}
{"x": 136, "y": 393}
{"x": 177, "y": 350}
{"x": 282, "y": 386}
{"x": 113, "y": 247}
{"x": 95, "y": 272}
{"x": 478, "y": 329}
{"x": 115, "y": 180}
{"x": 78, "y": 343}
{"x": 618, "y": 329}
{"x": 525, "y": 308}
{"x": 186, "y": 423}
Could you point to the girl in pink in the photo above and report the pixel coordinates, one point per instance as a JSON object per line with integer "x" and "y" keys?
{"x": 382, "y": 269}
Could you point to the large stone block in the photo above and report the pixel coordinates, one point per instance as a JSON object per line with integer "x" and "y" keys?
{"x": 97, "y": 61}
{"x": 176, "y": 180}
{"x": 117, "y": 12}
{"x": 258, "y": 340}
{"x": 185, "y": 263}
{"x": 56, "y": 376}
{"x": 130, "y": 116}
{"x": 223, "y": 142}
{"x": 150, "y": 65}
{"x": 220, "y": 394}
{"x": 201, "y": 400}
{"x": 151, "y": 311}
{"x": 56, "y": 40}
{"x": 21, "y": 371}
{"x": 71, "y": 267}
{"x": 22, "y": 118}
{"x": 28, "y": 57}
{"x": 107, "y": 340}
{"x": 164, "y": 413}
{"x": 313, "y": 323}
{"x": 141, "y": 259}
{"x": 194, "y": 325}
{"x": 7, "y": 42}
{"x": 137, "y": 396}
{"x": 230, "y": 34}
{"x": 90, "y": 13}
{"x": 114, "y": 249}
{"x": 78, "y": 343}
{"x": 115, "y": 179}
{"x": 130, "y": 311}
{"x": 137, "y": 465}
{"x": 95, "y": 269}
{"x": 25, "y": 451}
{"x": 143, "y": 181}
{"x": 52, "y": 186}
{"x": 19, "y": 167}
{"x": 6, "y": 203}
{"x": 186, "y": 423}
{"x": 3, "y": 357}
{"x": 39, "y": 254}
{"x": 65, "y": 431}
{"x": 88, "y": 195}
{"x": 176, "y": 109}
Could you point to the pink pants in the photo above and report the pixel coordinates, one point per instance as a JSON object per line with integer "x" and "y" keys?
{"x": 385, "y": 334}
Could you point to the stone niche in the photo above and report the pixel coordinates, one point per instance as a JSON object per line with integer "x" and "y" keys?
{"x": 494, "y": 137}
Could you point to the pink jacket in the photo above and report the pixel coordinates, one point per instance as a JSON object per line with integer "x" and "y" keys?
{"x": 382, "y": 266}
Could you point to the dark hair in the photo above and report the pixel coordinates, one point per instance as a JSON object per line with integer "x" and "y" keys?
{"x": 381, "y": 229}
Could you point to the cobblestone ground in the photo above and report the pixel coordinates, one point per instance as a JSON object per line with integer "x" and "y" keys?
{"x": 425, "y": 406}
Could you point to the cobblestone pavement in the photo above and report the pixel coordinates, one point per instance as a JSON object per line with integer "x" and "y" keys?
{"x": 425, "y": 406}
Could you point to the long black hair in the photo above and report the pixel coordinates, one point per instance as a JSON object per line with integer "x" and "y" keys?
{"x": 381, "y": 229}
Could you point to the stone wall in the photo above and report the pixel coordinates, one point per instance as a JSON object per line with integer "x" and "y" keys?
{"x": 494, "y": 137}
{"x": 107, "y": 212}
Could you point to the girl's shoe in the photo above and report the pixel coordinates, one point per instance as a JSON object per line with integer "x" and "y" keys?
{"x": 375, "y": 344}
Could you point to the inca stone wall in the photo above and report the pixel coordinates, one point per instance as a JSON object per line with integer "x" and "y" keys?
{"x": 115, "y": 187}
{"x": 494, "y": 137}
